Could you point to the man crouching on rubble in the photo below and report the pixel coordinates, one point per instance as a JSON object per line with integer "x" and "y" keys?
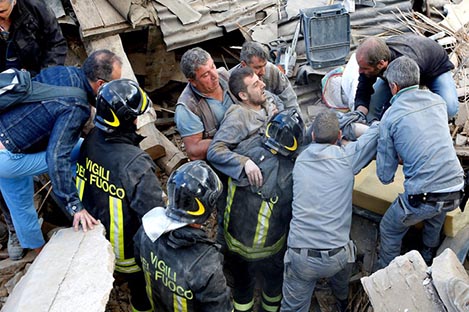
{"x": 116, "y": 180}
{"x": 183, "y": 268}
{"x": 414, "y": 131}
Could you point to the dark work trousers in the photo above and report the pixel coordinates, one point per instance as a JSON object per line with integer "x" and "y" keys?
{"x": 244, "y": 274}
{"x": 138, "y": 293}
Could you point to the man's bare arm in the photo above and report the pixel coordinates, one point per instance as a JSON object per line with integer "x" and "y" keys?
{"x": 196, "y": 147}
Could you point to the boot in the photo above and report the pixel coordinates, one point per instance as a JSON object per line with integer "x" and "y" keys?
{"x": 15, "y": 251}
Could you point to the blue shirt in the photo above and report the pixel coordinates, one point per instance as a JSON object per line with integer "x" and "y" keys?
{"x": 189, "y": 123}
{"x": 415, "y": 130}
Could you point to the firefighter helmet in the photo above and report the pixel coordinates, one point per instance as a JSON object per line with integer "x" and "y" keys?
{"x": 284, "y": 132}
{"x": 118, "y": 103}
{"x": 193, "y": 190}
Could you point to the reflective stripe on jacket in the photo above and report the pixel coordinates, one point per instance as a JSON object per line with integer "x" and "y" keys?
{"x": 183, "y": 271}
{"x": 117, "y": 185}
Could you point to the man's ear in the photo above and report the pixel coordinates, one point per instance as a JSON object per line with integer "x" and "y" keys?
{"x": 243, "y": 64}
{"x": 95, "y": 85}
{"x": 192, "y": 82}
{"x": 243, "y": 96}
{"x": 394, "y": 88}
{"x": 382, "y": 64}
{"x": 339, "y": 135}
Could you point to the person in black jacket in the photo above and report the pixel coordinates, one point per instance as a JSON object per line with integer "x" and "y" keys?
{"x": 115, "y": 178}
{"x": 374, "y": 55}
{"x": 183, "y": 268}
{"x": 30, "y": 36}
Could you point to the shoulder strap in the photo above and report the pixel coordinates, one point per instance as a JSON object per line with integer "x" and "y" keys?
{"x": 42, "y": 92}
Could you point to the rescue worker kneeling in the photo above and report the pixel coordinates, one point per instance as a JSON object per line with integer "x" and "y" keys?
{"x": 182, "y": 267}
{"x": 116, "y": 180}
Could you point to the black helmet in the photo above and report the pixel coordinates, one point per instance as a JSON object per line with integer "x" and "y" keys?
{"x": 284, "y": 132}
{"x": 193, "y": 190}
{"x": 118, "y": 103}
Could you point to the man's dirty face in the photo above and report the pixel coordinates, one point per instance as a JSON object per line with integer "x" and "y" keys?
{"x": 255, "y": 90}
{"x": 206, "y": 78}
{"x": 258, "y": 66}
{"x": 367, "y": 69}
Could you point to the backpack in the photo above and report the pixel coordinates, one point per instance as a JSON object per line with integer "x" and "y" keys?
{"x": 16, "y": 87}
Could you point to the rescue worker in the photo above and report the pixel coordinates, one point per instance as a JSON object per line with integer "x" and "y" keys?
{"x": 182, "y": 267}
{"x": 200, "y": 109}
{"x": 31, "y": 39}
{"x": 42, "y": 137}
{"x": 203, "y": 102}
{"x": 30, "y": 36}
{"x": 254, "y": 55}
{"x": 374, "y": 55}
{"x": 414, "y": 131}
{"x": 258, "y": 206}
{"x": 116, "y": 180}
{"x": 319, "y": 244}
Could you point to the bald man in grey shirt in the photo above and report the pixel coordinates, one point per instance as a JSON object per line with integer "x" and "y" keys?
{"x": 319, "y": 244}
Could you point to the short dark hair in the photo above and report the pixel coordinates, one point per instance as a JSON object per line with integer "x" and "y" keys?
{"x": 100, "y": 65}
{"x": 403, "y": 71}
{"x": 236, "y": 82}
{"x": 374, "y": 49}
{"x": 326, "y": 127}
{"x": 251, "y": 49}
{"x": 192, "y": 59}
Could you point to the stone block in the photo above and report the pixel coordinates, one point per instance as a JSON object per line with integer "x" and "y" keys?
{"x": 73, "y": 273}
{"x": 403, "y": 285}
{"x": 369, "y": 193}
{"x": 451, "y": 281}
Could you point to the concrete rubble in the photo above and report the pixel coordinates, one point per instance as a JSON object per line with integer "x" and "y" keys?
{"x": 407, "y": 284}
{"x": 74, "y": 272}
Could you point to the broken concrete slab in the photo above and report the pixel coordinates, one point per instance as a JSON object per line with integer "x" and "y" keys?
{"x": 74, "y": 272}
{"x": 403, "y": 285}
{"x": 451, "y": 281}
{"x": 459, "y": 244}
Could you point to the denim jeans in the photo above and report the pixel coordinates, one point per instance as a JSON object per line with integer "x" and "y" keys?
{"x": 16, "y": 185}
{"x": 53, "y": 126}
{"x": 401, "y": 215}
{"x": 302, "y": 272}
{"x": 443, "y": 85}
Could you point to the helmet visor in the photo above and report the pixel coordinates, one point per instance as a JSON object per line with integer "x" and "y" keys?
{"x": 282, "y": 136}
